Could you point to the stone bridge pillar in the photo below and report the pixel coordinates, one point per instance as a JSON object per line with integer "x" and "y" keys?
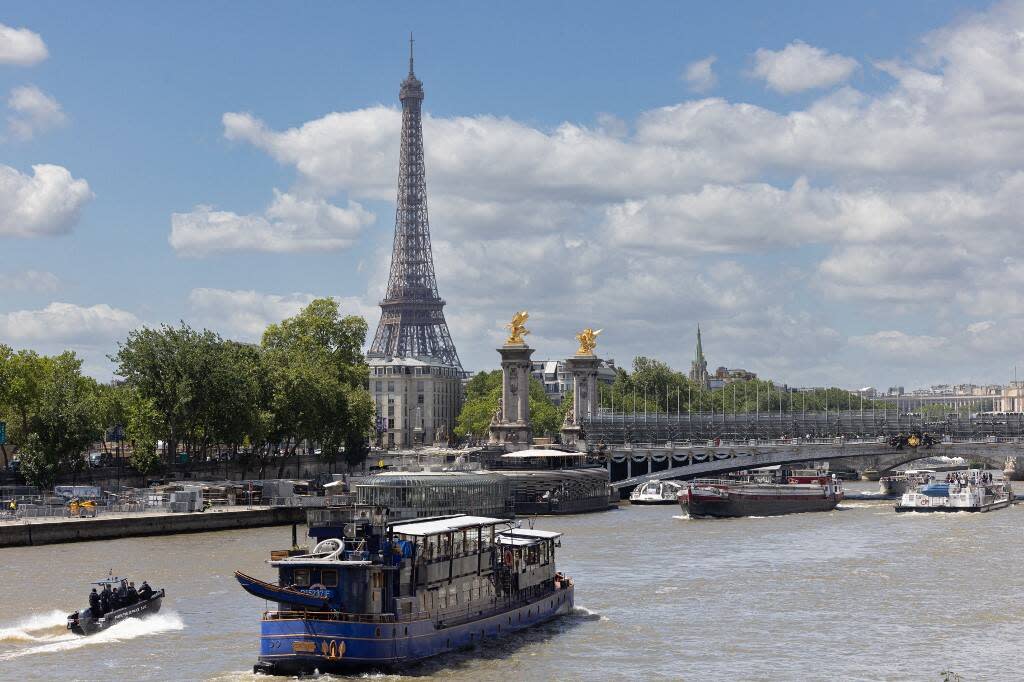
{"x": 583, "y": 370}
{"x": 511, "y": 424}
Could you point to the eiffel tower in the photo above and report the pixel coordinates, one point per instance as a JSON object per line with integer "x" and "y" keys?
{"x": 412, "y": 320}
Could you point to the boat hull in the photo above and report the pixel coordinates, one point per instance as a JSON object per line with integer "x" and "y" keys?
{"x": 85, "y": 624}
{"x": 290, "y": 647}
{"x": 735, "y": 506}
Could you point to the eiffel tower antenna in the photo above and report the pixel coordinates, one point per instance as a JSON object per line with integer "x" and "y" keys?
{"x": 412, "y": 320}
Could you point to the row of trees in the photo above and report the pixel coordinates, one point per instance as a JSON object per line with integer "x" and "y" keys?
{"x": 194, "y": 391}
{"x": 653, "y": 386}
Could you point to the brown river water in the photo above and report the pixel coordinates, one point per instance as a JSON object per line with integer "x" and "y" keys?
{"x": 855, "y": 594}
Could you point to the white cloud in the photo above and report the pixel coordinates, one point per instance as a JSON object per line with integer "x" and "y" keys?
{"x": 800, "y": 66}
{"x": 33, "y": 111}
{"x": 242, "y": 312}
{"x": 21, "y": 46}
{"x": 247, "y": 313}
{"x": 67, "y": 323}
{"x": 29, "y": 281}
{"x": 700, "y": 75}
{"x": 290, "y": 224}
{"x": 48, "y": 202}
{"x": 901, "y": 345}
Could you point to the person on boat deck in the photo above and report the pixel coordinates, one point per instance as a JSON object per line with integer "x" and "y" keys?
{"x": 145, "y": 591}
{"x": 133, "y": 596}
{"x": 94, "y": 602}
{"x": 122, "y": 594}
{"x": 105, "y": 601}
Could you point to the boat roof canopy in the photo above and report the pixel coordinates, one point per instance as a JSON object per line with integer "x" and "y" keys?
{"x": 448, "y": 525}
{"x": 530, "y": 533}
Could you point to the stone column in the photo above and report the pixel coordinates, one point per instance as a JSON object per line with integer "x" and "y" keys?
{"x": 511, "y": 424}
{"x": 583, "y": 370}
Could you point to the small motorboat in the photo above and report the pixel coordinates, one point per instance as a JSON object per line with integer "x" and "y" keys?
{"x": 85, "y": 622}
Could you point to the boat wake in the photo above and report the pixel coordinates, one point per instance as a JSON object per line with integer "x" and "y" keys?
{"x": 39, "y": 627}
{"x": 583, "y": 613}
{"x": 54, "y": 643}
{"x": 682, "y": 517}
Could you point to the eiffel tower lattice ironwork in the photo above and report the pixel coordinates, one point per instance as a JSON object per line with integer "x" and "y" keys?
{"x": 412, "y": 320}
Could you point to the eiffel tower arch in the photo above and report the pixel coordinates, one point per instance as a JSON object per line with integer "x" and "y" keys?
{"x": 415, "y": 372}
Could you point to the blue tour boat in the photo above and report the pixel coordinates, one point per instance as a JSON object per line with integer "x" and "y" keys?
{"x": 383, "y": 595}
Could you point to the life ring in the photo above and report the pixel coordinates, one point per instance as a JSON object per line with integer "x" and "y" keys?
{"x": 924, "y": 502}
{"x": 509, "y": 559}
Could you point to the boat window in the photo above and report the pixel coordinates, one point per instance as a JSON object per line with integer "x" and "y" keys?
{"x": 329, "y": 577}
{"x": 301, "y": 577}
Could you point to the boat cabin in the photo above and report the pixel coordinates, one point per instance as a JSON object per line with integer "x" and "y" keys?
{"x": 435, "y": 567}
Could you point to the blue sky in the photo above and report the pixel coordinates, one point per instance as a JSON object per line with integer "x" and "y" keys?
{"x": 828, "y": 190}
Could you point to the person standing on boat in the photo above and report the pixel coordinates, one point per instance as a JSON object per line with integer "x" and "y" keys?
{"x": 105, "y": 600}
{"x": 94, "y": 603}
{"x": 133, "y": 596}
{"x": 145, "y": 591}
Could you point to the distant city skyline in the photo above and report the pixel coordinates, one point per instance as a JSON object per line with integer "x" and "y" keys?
{"x": 834, "y": 195}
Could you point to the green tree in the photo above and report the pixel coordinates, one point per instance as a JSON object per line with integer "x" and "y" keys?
{"x": 317, "y": 378}
{"x": 66, "y": 422}
{"x": 172, "y": 367}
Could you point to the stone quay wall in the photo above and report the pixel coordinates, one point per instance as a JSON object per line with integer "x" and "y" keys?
{"x": 31, "y": 532}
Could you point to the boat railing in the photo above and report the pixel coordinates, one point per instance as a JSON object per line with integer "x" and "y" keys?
{"x": 341, "y": 617}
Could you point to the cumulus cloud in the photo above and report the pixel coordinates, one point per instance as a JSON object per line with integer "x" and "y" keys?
{"x": 757, "y": 222}
{"x": 700, "y": 75}
{"x": 67, "y": 323}
{"x": 29, "y": 281}
{"x": 32, "y": 112}
{"x": 900, "y": 344}
{"x": 247, "y": 313}
{"x": 48, "y": 202}
{"x": 800, "y": 66}
{"x": 21, "y": 46}
{"x": 290, "y": 224}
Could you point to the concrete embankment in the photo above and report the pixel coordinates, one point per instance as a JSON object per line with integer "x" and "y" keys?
{"x": 39, "y": 532}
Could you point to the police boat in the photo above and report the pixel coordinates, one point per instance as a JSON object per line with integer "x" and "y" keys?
{"x": 98, "y": 617}
{"x": 384, "y": 595}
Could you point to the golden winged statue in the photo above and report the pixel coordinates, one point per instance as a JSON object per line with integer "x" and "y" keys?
{"x": 588, "y": 341}
{"x": 517, "y": 329}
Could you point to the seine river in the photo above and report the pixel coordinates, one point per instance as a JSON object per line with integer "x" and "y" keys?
{"x": 859, "y": 593}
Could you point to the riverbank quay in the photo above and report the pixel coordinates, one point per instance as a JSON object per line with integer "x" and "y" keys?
{"x": 32, "y": 532}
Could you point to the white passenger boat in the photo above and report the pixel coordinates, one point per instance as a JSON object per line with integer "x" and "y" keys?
{"x": 973, "y": 490}
{"x": 656, "y": 492}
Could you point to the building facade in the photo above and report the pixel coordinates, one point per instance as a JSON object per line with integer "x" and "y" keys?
{"x": 415, "y": 372}
{"x": 418, "y": 400}
{"x": 557, "y": 382}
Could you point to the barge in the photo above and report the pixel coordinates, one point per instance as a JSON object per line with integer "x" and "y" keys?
{"x": 382, "y": 595}
{"x": 725, "y": 498}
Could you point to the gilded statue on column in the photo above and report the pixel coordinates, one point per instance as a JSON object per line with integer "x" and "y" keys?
{"x": 588, "y": 341}
{"x": 517, "y": 329}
